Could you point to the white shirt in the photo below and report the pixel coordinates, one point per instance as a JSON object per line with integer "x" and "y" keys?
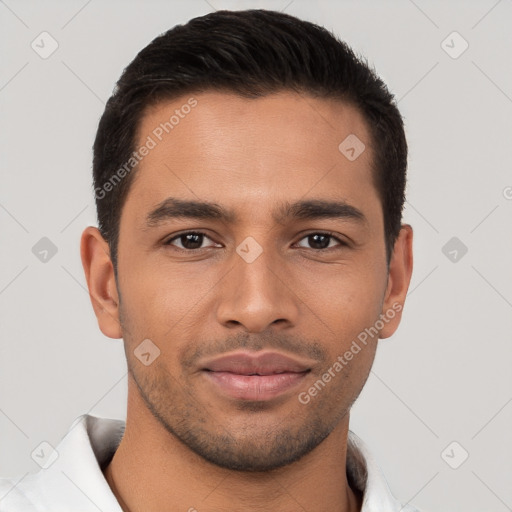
{"x": 73, "y": 480}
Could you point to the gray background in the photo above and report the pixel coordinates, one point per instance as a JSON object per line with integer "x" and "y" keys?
{"x": 444, "y": 376}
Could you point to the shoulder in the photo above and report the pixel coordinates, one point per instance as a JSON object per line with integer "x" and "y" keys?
{"x": 365, "y": 475}
{"x": 13, "y": 498}
{"x": 73, "y": 480}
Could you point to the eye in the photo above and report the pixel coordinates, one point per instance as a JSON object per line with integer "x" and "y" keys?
{"x": 189, "y": 241}
{"x": 193, "y": 240}
{"x": 319, "y": 241}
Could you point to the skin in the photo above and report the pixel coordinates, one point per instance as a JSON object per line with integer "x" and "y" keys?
{"x": 188, "y": 446}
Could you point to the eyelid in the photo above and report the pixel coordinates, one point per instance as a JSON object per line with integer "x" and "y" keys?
{"x": 189, "y": 232}
{"x": 331, "y": 234}
{"x": 335, "y": 236}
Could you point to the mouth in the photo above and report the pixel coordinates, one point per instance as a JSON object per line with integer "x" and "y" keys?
{"x": 247, "y": 376}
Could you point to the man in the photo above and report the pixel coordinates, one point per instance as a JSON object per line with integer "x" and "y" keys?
{"x": 249, "y": 173}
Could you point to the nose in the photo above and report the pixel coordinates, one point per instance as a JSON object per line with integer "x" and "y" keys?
{"x": 258, "y": 294}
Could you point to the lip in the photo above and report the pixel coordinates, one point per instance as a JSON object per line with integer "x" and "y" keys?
{"x": 250, "y": 376}
{"x": 250, "y": 363}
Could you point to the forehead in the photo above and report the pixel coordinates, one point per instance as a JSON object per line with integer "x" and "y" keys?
{"x": 240, "y": 152}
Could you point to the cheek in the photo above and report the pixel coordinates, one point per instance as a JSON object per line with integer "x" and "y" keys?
{"x": 349, "y": 335}
{"x": 161, "y": 298}
{"x": 341, "y": 299}
{"x": 158, "y": 300}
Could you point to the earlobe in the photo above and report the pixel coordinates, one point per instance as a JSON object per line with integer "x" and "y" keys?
{"x": 399, "y": 278}
{"x": 99, "y": 274}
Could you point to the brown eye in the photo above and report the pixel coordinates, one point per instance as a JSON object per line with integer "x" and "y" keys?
{"x": 319, "y": 241}
{"x": 188, "y": 241}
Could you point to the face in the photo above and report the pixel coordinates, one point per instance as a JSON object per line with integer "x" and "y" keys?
{"x": 251, "y": 254}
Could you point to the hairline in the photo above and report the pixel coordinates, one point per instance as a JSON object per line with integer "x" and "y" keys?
{"x": 168, "y": 96}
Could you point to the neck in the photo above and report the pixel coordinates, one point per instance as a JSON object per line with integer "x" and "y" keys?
{"x": 153, "y": 471}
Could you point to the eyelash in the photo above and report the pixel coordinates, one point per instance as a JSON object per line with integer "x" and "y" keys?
{"x": 341, "y": 242}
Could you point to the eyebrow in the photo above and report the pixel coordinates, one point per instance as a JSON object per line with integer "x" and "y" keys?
{"x": 174, "y": 208}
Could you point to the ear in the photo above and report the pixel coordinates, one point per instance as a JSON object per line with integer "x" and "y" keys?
{"x": 399, "y": 277}
{"x": 99, "y": 273}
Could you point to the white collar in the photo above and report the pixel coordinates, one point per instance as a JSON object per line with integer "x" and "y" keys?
{"x": 75, "y": 480}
